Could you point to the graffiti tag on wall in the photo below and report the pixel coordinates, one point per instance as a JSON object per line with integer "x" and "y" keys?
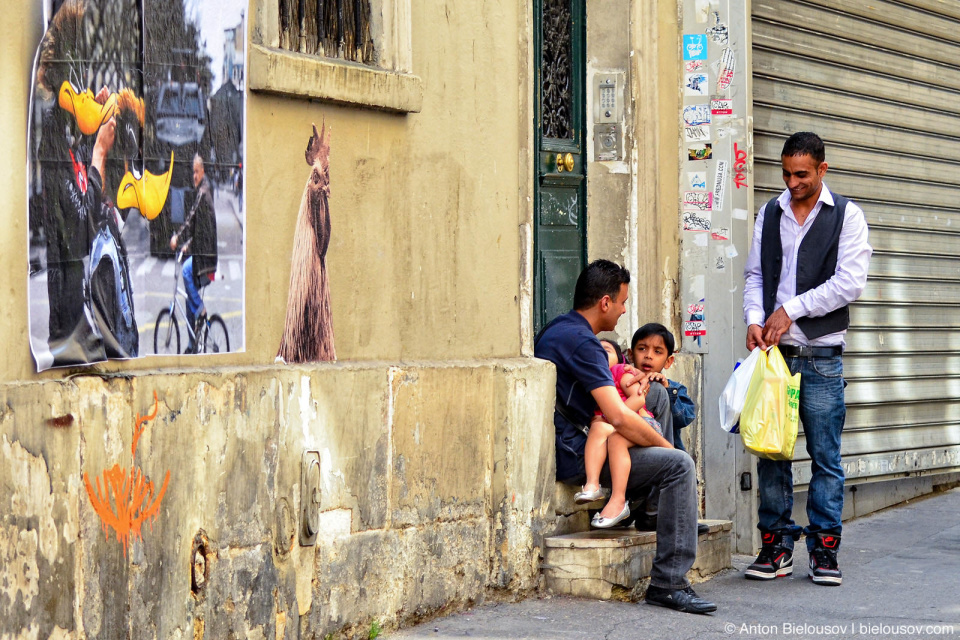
{"x": 127, "y": 498}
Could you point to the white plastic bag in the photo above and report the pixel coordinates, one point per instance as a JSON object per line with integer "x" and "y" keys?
{"x": 734, "y": 394}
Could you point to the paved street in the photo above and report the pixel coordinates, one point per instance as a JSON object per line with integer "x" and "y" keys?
{"x": 901, "y": 579}
{"x": 152, "y": 280}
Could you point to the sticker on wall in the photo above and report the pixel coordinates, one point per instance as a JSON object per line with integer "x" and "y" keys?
{"x": 720, "y": 263}
{"x": 694, "y": 65}
{"x": 697, "y": 180}
{"x": 695, "y": 325}
{"x": 739, "y": 167}
{"x": 720, "y": 233}
{"x": 719, "y": 184}
{"x": 700, "y": 151}
{"x": 694, "y": 47}
{"x": 135, "y": 159}
{"x": 731, "y": 251}
{"x": 696, "y": 221}
{"x": 697, "y": 133}
{"x": 721, "y": 107}
{"x": 696, "y": 114}
{"x": 308, "y": 329}
{"x": 718, "y": 32}
{"x": 695, "y": 84}
{"x": 728, "y": 63}
{"x": 127, "y": 498}
{"x": 697, "y": 201}
{"x": 740, "y": 214}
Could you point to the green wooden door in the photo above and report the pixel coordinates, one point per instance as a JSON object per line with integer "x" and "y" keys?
{"x": 560, "y": 182}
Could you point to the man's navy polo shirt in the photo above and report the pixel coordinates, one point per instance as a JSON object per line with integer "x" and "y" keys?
{"x": 582, "y": 366}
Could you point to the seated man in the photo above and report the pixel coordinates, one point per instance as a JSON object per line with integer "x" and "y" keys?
{"x": 584, "y": 383}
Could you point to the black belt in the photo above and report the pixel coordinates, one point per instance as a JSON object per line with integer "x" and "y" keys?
{"x": 795, "y": 351}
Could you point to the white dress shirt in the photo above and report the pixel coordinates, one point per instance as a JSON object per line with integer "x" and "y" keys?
{"x": 845, "y": 286}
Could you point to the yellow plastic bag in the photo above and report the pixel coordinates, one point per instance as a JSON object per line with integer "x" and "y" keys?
{"x": 770, "y": 416}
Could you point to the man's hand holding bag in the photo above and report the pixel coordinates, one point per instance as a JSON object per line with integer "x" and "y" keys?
{"x": 770, "y": 416}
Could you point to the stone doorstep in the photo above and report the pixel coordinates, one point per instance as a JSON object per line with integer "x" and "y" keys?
{"x": 615, "y": 564}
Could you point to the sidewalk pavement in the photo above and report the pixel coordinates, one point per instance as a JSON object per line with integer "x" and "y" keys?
{"x": 901, "y": 579}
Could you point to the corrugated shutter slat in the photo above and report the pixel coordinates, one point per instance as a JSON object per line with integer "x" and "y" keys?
{"x": 880, "y": 83}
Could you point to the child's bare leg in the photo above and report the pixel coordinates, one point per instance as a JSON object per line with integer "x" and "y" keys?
{"x": 595, "y": 452}
{"x": 618, "y": 449}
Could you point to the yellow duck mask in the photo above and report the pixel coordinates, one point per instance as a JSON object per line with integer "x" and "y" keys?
{"x": 148, "y": 193}
{"x": 89, "y": 114}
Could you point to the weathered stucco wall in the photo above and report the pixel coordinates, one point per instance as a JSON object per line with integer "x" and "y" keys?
{"x": 435, "y": 487}
{"x": 633, "y": 215}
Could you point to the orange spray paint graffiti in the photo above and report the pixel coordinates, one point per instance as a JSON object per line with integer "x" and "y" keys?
{"x": 127, "y": 498}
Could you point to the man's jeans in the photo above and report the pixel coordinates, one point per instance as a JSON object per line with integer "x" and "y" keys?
{"x": 822, "y": 412}
{"x": 674, "y": 474}
{"x": 194, "y": 301}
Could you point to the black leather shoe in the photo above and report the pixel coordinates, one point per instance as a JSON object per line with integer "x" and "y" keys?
{"x": 683, "y": 600}
{"x": 646, "y": 522}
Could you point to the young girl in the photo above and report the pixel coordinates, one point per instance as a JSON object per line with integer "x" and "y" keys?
{"x": 603, "y": 440}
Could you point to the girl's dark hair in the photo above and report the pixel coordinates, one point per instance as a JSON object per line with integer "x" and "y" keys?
{"x": 654, "y": 329}
{"x": 616, "y": 349}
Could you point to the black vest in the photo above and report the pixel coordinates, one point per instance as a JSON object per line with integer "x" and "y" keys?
{"x": 816, "y": 263}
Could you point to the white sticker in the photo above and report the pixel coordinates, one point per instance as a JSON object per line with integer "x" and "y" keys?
{"x": 728, "y": 63}
{"x": 732, "y": 251}
{"x": 695, "y": 84}
{"x": 697, "y": 201}
{"x": 698, "y": 133}
{"x": 698, "y": 180}
{"x": 740, "y": 214}
{"x": 719, "y": 185}
{"x": 695, "y": 114}
{"x": 697, "y": 221}
{"x": 721, "y": 107}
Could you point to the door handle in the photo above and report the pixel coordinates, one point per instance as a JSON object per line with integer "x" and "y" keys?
{"x": 564, "y": 162}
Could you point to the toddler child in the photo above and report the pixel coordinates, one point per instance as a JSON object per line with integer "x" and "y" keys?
{"x": 603, "y": 441}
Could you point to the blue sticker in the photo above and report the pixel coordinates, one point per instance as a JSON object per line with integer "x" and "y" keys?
{"x": 695, "y": 47}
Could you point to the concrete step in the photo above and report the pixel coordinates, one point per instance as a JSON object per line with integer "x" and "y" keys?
{"x": 614, "y": 564}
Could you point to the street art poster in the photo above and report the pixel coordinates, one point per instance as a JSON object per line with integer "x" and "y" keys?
{"x": 135, "y": 181}
{"x": 308, "y": 328}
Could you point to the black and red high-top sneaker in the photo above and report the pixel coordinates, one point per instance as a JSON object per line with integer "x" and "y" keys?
{"x": 823, "y": 560}
{"x": 773, "y": 561}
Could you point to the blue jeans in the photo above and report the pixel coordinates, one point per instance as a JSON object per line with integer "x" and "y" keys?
{"x": 822, "y": 412}
{"x": 668, "y": 477}
{"x": 194, "y": 301}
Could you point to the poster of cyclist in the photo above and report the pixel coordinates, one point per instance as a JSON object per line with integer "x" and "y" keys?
{"x": 135, "y": 188}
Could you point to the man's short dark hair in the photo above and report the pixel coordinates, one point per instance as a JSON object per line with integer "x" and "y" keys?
{"x": 654, "y": 329}
{"x": 805, "y": 143}
{"x": 600, "y": 278}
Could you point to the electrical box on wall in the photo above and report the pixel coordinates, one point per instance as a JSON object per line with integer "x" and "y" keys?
{"x": 606, "y": 143}
{"x": 607, "y": 98}
{"x": 607, "y": 116}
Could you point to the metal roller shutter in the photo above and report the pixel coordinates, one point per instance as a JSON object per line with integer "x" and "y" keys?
{"x": 880, "y": 83}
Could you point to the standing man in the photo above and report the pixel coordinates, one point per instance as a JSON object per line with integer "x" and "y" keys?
{"x": 807, "y": 263}
{"x": 198, "y": 235}
{"x": 584, "y": 383}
